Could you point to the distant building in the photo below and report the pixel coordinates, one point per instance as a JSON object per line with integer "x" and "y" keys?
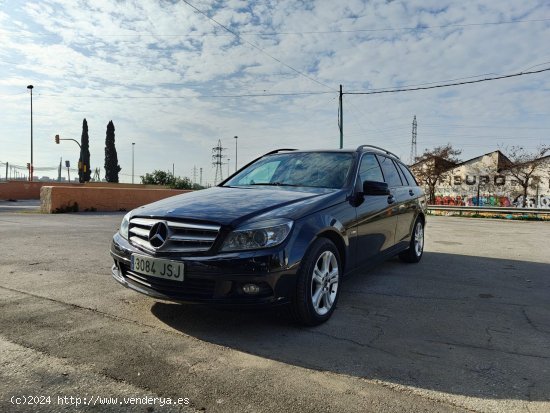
{"x": 486, "y": 181}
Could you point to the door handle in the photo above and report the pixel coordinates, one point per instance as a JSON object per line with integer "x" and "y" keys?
{"x": 411, "y": 192}
{"x": 391, "y": 199}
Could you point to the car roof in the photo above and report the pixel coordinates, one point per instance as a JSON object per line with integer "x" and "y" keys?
{"x": 360, "y": 149}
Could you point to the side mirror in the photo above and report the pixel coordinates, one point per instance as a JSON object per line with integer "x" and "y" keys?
{"x": 375, "y": 188}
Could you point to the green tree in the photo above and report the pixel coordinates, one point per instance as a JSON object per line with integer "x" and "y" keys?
{"x": 181, "y": 183}
{"x": 84, "y": 172}
{"x": 112, "y": 168}
{"x": 158, "y": 177}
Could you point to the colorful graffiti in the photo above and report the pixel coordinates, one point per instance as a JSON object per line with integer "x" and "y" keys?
{"x": 543, "y": 202}
{"x": 493, "y": 201}
{"x": 468, "y": 200}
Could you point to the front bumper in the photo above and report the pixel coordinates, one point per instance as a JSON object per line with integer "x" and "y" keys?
{"x": 214, "y": 279}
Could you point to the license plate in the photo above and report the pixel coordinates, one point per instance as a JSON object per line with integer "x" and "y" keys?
{"x": 157, "y": 267}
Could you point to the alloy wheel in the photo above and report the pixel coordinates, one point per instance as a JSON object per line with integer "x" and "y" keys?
{"x": 324, "y": 282}
{"x": 418, "y": 239}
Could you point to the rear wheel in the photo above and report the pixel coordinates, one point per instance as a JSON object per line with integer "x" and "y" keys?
{"x": 416, "y": 247}
{"x": 317, "y": 285}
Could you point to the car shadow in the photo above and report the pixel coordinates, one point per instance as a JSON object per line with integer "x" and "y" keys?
{"x": 463, "y": 325}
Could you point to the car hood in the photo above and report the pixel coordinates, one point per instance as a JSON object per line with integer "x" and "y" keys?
{"x": 233, "y": 206}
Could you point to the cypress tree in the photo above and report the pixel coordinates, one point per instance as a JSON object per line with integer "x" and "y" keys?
{"x": 112, "y": 168}
{"x": 84, "y": 172}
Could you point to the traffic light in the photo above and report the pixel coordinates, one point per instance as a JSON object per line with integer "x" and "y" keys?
{"x": 57, "y": 139}
{"x": 28, "y": 166}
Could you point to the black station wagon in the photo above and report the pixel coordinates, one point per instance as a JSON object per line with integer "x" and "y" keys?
{"x": 285, "y": 229}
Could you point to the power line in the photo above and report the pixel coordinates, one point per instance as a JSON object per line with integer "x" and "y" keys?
{"x": 434, "y": 125}
{"x": 372, "y": 92}
{"x": 254, "y": 95}
{"x": 375, "y": 92}
{"x": 274, "y": 33}
{"x": 237, "y": 35}
{"x": 447, "y": 135}
{"x": 305, "y": 93}
{"x": 440, "y": 81}
{"x": 386, "y": 29}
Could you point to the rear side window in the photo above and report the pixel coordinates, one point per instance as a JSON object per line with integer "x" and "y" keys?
{"x": 403, "y": 179}
{"x": 391, "y": 175}
{"x": 370, "y": 170}
{"x": 408, "y": 175}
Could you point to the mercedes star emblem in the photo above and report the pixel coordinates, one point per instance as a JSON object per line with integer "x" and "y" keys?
{"x": 158, "y": 235}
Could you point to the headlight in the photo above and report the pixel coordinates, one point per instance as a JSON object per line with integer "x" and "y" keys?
{"x": 259, "y": 235}
{"x": 124, "y": 226}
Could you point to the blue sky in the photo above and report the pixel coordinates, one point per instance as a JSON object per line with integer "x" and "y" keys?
{"x": 163, "y": 73}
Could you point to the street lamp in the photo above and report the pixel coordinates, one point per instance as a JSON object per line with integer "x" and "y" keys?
{"x": 133, "y": 145}
{"x": 236, "y": 139}
{"x": 30, "y": 87}
{"x": 228, "y": 167}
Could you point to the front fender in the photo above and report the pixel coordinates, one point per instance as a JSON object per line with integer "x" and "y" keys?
{"x": 308, "y": 229}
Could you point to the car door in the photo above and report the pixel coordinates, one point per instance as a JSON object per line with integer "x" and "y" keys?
{"x": 408, "y": 205}
{"x": 376, "y": 219}
{"x": 399, "y": 193}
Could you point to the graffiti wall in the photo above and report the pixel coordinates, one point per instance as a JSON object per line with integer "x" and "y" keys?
{"x": 542, "y": 201}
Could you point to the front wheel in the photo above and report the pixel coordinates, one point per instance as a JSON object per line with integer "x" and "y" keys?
{"x": 416, "y": 247}
{"x": 317, "y": 285}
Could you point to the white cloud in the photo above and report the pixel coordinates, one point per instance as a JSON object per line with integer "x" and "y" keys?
{"x": 129, "y": 60}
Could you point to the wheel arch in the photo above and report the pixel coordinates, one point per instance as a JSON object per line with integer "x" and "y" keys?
{"x": 338, "y": 241}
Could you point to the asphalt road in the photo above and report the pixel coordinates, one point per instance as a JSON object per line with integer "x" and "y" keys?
{"x": 27, "y": 205}
{"x": 467, "y": 329}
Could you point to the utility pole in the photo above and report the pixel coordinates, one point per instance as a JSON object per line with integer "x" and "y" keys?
{"x": 133, "y": 145}
{"x": 194, "y": 174}
{"x": 173, "y": 170}
{"x": 217, "y": 157}
{"x": 412, "y": 158}
{"x": 30, "y": 87}
{"x": 236, "y": 139}
{"x": 7, "y": 164}
{"x": 200, "y": 182}
{"x": 341, "y": 118}
{"x": 59, "y": 169}
{"x": 228, "y": 166}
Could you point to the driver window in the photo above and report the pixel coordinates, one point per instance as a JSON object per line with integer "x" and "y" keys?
{"x": 370, "y": 169}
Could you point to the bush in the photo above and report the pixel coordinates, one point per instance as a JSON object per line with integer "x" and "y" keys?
{"x": 167, "y": 179}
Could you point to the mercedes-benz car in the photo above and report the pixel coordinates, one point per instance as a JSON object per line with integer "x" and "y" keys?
{"x": 283, "y": 230}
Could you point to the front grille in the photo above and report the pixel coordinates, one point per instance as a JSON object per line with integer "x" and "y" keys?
{"x": 181, "y": 237}
{"x": 186, "y": 289}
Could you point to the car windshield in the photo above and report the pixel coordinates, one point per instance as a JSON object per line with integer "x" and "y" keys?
{"x": 309, "y": 169}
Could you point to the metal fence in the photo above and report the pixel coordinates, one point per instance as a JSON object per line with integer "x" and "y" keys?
{"x": 473, "y": 210}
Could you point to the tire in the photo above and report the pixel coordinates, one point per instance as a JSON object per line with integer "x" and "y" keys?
{"x": 415, "y": 251}
{"x": 317, "y": 288}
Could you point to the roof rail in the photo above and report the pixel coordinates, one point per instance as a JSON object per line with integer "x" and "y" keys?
{"x": 360, "y": 148}
{"x": 280, "y": 150}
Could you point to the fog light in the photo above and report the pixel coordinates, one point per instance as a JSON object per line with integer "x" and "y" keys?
{"x": 251, "y": 289}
